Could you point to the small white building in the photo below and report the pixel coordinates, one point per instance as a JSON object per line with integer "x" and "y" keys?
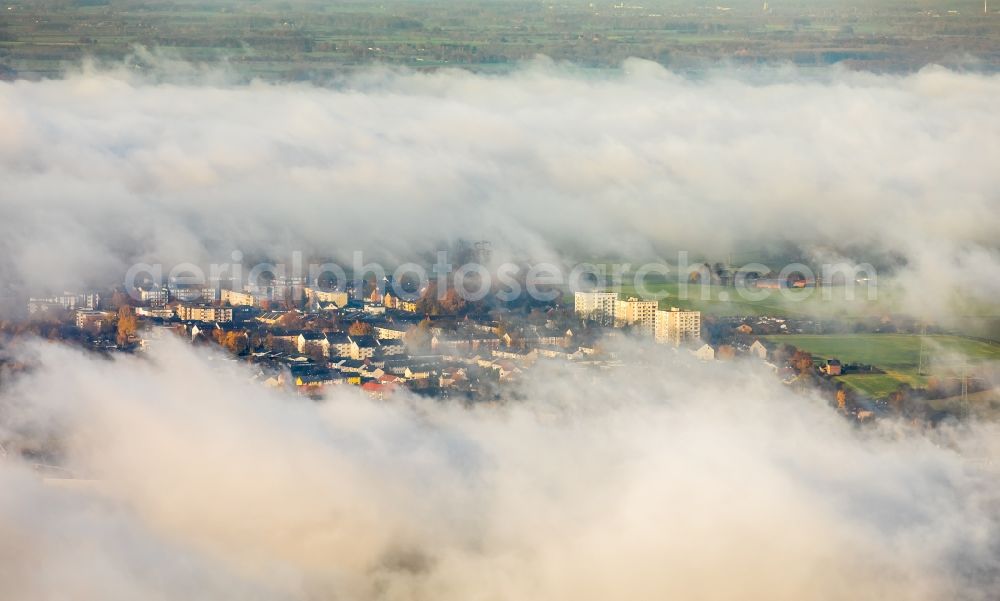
{"x": 704, "y": 352}
{"x": 757, "y": 349}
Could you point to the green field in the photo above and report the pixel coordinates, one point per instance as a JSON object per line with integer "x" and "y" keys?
{"x": 876, "y": 386}
{"x": 897, "y": 354}
{"x": 890, "y": 351}
{"x": 985, "y": 404}
{"x": 806, "y": 303}
{"x": 316, "y": 39}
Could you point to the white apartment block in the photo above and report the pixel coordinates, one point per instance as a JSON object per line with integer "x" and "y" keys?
{"x": 391, "y": 332}
{"x": 67, "y": 300}
{"x": 159, "y": 312}
{"x": 326, "y": 297}
{"x": 155, "y": 296}
{"x": 203, "y": 313}
{"x": 91, "y": 317}
{"x": 236, "y": 298}
{"x": 641, "y": 314}
{"x": 676, "y": 326}
{"x": 598, "y": 306}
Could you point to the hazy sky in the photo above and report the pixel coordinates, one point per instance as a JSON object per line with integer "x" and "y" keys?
{"x": 104, "y": 167}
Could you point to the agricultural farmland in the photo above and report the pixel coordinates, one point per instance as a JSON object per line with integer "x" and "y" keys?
{"x": 806, "y": 303}
{"x": 898, "y": 355}
{"x": 316, "y": 40}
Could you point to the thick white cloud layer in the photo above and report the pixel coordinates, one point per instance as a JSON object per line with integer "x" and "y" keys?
{"x": 689, "y": 481}
{"x": 102, "y": 168}
{"x": 698, "y": 481}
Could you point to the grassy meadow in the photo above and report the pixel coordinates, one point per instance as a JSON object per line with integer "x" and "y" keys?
{"x": 896, "y": 354}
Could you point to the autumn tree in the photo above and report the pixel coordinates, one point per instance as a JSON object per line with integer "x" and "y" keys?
{"x": 842, "y": 400}
{"x": 326, "y": 323}
{"x": 427, "y": 303}
{"x": 899, "y": 399}
{"x": 234, "y": 342}
{"x": 725, "y": 352}
{"x": 293, "y": 320}
{"x": 699, "y": 274}
{"x": 256, "y": 340}
{"x": 126, "y": 325}
{"x": 802, "y": 361}
{"x": 418, "y": 337}
{"x": 291, "y": 300}
{"x": 316, "y": 353}
{"x": 359, "y": 328}
{"x": 452, "y": 302}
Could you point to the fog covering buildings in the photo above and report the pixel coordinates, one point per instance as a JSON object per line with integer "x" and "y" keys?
{"x": 178, "y": 472}
{"x": 673, "y": 478}
{"x": 107, "y": 167}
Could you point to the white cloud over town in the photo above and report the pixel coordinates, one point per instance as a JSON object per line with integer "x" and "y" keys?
{"x": 105, "y": 167}
{"x": 707, "y": 481}
{"x": 691, "y": 480}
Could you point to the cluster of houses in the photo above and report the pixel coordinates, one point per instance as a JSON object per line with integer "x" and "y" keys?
{"x": 382, "y": 343}
{"x": 465, "y": 357}
{"x": 308, "y": 338}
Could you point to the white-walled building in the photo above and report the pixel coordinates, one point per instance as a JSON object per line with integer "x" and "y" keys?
{"x": 598, "y": 306}
{"x": 159, "y": 312}
{"x": 391, "y": 331}
{"x": 704, "y": 352}
{"x": 68, "y": 300}
{"x": 363, "y": 347}
{"x": 235, "y": 298}
{"x": 757, "y": 349}
{"x": 309, "y": 341}
{"x": 676, "y": 326}
{"x": 90, "y": 318}
{"x": 154, "y": 296}
{"x": 638, "y": 313}
{"x": 327, "y": 297}
{"x": 338, "y": 344}
{"x": 204, "y": 313}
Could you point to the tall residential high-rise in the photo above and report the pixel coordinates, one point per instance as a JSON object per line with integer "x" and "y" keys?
{"x": 638, "y": 313}
{"x": 676, "y": 326}
{"x": 597, "y": 306}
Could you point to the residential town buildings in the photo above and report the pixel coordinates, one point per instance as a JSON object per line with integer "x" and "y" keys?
{"x": 235, "y": 298}
{"x": 677, "y": 326}
{"x": 90, "y": 318}
{"x": 323, "y": 298}
{"x": 154, "y": 296}
{"x": 68, "y": 300}
{"x": 596, "y": 306}
{"x": 155, "y": 312}
{"x": 638, "y": 313}
{"x": 187, "y": 312}
{"x": 391, "y": 331}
